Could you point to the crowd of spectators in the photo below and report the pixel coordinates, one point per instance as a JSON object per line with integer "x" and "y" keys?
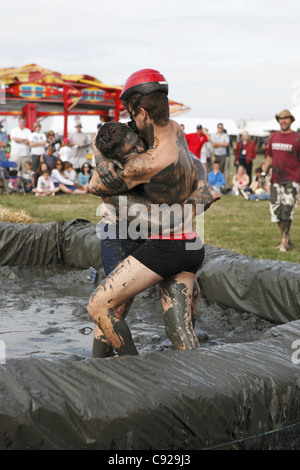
{"x": 230, "y": 167}
{"x": 42, "y": 163}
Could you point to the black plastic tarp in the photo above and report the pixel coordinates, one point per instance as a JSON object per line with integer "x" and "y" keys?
{"x": 238, "y": 396}
{"x": 266, "y": 288}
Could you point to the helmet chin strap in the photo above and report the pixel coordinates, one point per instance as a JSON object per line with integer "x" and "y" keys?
{"x": 132, "y": 123}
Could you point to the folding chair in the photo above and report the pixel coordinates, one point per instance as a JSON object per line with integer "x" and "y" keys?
{"x": 3, "y": 174}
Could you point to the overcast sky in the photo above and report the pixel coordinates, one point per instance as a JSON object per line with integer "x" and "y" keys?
{"x": 223, "y": 59}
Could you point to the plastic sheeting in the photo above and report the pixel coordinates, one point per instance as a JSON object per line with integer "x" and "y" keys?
{"x": 268, "y": 289}
{"x": 239, "y": 396}
{"x": 235, "y": 396}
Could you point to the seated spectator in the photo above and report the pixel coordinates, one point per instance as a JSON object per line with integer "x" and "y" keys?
{"x": 42, "y": 166}
{"x": 257, "y": 181}
{"x": 45, "y": 185}
{"x": 65, "y": 151}
{"x": 240, "y": 182}
{"x": 70, "y": 173}
{"x": 261, "y": 191}
{"x": 49, "y": 156}
{"x": 28, "y": 177}
{"x": 61, "y": 182}
{"x": 216, "y": 179}
{"x": 84, "y": 175}
{"x": 13, "y": 182}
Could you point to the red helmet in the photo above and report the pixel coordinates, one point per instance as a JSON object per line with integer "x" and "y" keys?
{"x": 144, "y": 81}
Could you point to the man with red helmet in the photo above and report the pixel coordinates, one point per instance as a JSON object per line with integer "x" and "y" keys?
{"x": 168, "y": 173}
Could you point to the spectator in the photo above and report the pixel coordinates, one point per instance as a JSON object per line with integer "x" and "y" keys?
{"x": 196, "y": 140}
{"x": 284, "y": 158}
{"x": 84, "y": 176}
{"x": 42, "y": 167}
{"x": 54, "y": 141}
{"x": 216, "y": 179}
{"x": 220, "y": 142}
{"x": 70, "y": 173}
{"x": 245, "y": 153}
{"x": 13, "y": 182}
{"x": 79, "y": 143}
{"x": 182, "y": 127}
{"x": 3, "y": 145}
{"x": 45, "y": 185}
{"x": 28, "y": 177}
{"x": 37, "y": 142}
{"x": 227, "y": 171}
{"x": 20, "y": 148}
{"x": 65, "y": 151}
{"x": 240, "y": 182}
{"x": 205, "y": 152}
{"x": 49, "y": 157}
{"x": 266, "y": 142}
{"x": 61, "y": 182}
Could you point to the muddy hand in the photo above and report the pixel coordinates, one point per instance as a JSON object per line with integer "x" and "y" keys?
{"x": 107, "y": 172}
{"x": 215, "y": 196}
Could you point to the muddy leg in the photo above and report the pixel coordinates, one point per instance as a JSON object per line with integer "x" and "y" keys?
{"x": 101, "y": 347}
{"x": 195, "y": 298}
{"x": 128, "y": 279}
{"x": 176, "y": 295}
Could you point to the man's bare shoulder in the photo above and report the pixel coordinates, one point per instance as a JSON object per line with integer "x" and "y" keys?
{"x": 140, "y": 165}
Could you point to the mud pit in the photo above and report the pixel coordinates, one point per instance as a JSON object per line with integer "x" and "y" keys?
{"x": 43, "y": 314}
{"x": 239, "y": 391}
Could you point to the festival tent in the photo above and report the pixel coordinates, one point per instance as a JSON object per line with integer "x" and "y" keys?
{"x": 191, "y": 123}
{"x": 36, "y": 93}
{"x": 263, "y": 128}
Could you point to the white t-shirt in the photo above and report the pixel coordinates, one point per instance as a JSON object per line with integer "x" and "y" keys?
{"x": 20, "y": 150}
{"x": 65, "y": 153}
{"x": 35, "y": 138}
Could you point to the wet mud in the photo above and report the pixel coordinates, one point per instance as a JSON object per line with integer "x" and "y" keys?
{"x": 43, "y": 314}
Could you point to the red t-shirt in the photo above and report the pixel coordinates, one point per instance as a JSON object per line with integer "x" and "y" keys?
{"x": 195, "y": 142}
{"x": 285, "y": 152}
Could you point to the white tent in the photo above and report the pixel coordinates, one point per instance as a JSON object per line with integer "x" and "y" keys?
{"x": 190, "y": 124}
{"x": 263, "y": 128}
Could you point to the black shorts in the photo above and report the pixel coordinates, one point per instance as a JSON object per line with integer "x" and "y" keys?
{"x": 170, "y": 257}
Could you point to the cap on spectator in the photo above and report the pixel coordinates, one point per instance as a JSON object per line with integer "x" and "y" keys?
{"x": 199, "y": 126}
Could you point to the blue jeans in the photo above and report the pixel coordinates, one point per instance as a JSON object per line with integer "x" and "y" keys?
{"x": 115, "y": 250}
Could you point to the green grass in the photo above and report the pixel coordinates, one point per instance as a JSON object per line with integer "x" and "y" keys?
{"x": 231, "y": 223}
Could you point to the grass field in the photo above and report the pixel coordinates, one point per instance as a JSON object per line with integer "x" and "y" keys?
{"x": 231, "y": 223}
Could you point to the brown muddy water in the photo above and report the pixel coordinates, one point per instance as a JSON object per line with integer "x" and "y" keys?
{"x": 43, "y": 314}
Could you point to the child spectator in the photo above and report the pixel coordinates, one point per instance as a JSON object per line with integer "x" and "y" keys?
{"x": 216, "y": 179}
{"x": 70, "y": 173}
{"x": 65, "y": 151}
{"x": 28, "y": 177}
{"x": 13, "y": 182}
{"x": 49, "y": 157}
{"x": 45, "y": 185}
{"x": 84, "y": 176}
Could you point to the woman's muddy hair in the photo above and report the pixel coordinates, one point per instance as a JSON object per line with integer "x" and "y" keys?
{"x": 110, "y": 138}
{"x": 156, "y": 104}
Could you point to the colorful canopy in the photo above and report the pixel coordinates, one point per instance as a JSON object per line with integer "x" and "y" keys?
{"x": 36, "y": 92}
